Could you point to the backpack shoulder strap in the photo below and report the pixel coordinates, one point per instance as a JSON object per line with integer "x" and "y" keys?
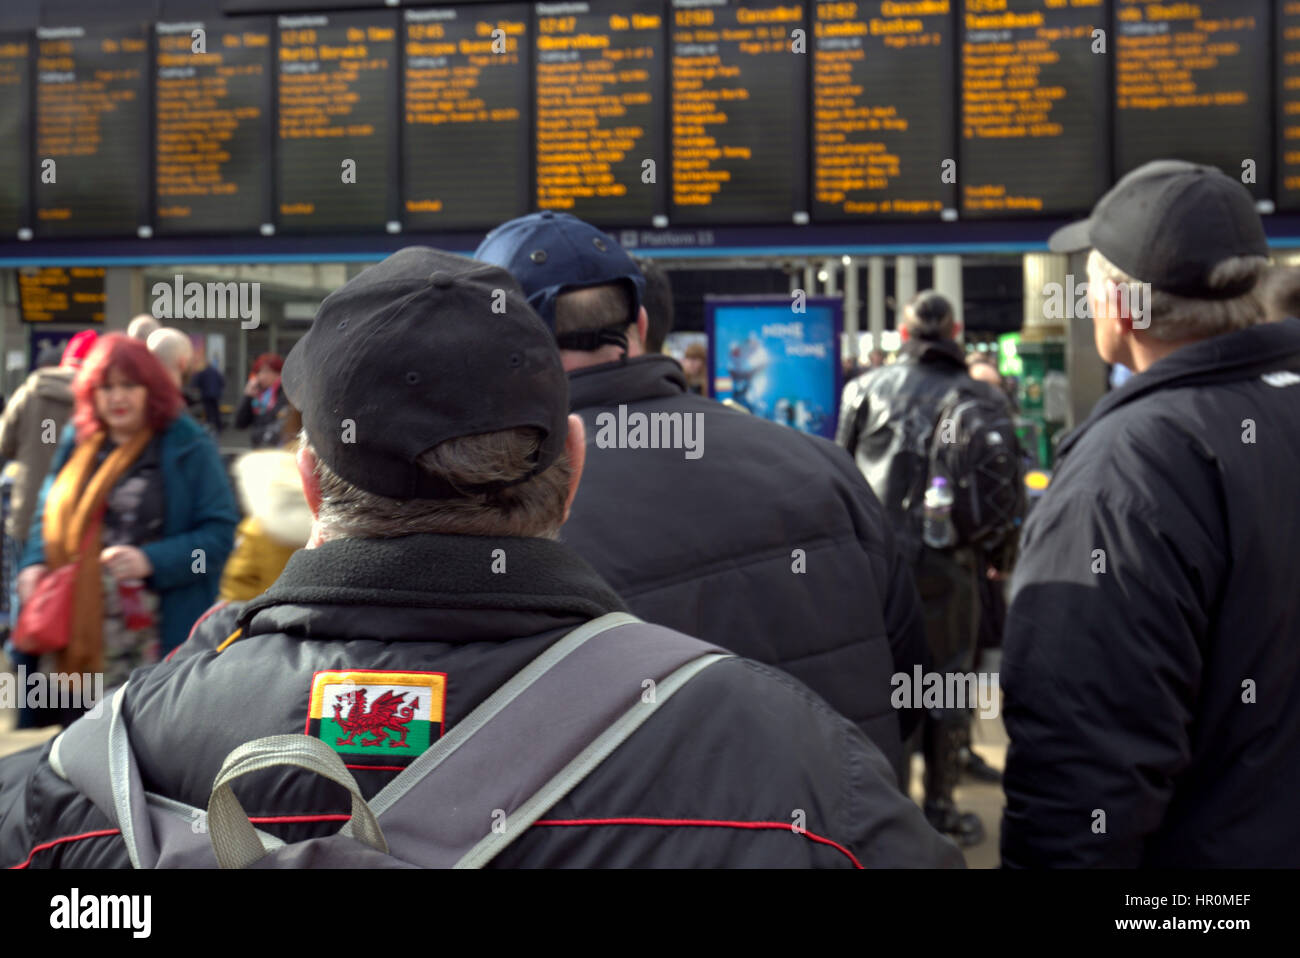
{"x": 534, "y": 739}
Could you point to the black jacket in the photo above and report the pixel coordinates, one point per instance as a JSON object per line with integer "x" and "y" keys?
{"x": 708, "y": 545}
{"x": 267, "y": 430}
{"x": 1163, "y": 687}
{"x": 739, "y": 744}
{"x": 887, "y": 410}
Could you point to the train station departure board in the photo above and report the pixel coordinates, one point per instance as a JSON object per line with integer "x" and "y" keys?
{"x": 92, "y": 102}
{"x": 740, "y": 128}
{"x": 465, "y": 108}
{"x": 882, "y": 122}
{"x": 212, "y": 127}
{"x": 336, "y": 163}
{"x": 15, "y": 149}
{"x": 1288, "y": 105}
{"x": 1192, "y": 82}
{"x": 600, "y": 122}
{"x": 1033, "y": 95}
{"x": 54, "y": 294}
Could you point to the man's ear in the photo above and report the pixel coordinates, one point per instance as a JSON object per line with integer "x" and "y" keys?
{"x": 575, "y": 447}
{"x": 637, "y": 347}
{"x": 310, "y": 481}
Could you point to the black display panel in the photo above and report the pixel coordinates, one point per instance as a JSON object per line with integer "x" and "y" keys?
{"x": 54, "y": 294}
{"x": 92, "y": 107}
{"x": 337, "y": 102}
{"x": 15, "y": 146}
{"x": 599, "y": 73}
{"x": 740, "y": 125}
{"x": 1288, "y": 105}
{"x": 465, "y": 109}
{"x": 212, "y": 127}
{"x": 883, "y": 111}
{"x": 1034, "y": 139}
{"x": 1192, "y": 83}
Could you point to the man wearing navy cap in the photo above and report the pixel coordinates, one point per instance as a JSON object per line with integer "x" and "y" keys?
{"x": 432, "y": 604}
{"x": 1152, "y": 653}
{"x": 753, "y": 535}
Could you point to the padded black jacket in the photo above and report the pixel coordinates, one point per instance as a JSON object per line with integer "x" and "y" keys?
{"x": 1151, "y": 661}
{"x": 707, "y": 545}
{"x": 714, "y": 778}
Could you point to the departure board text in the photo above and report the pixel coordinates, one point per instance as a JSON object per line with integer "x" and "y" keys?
{"x": 54, "y": 294}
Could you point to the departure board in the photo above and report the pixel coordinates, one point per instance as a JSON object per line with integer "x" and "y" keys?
{"x": 883, "y": 110}
{"x": 92, "y": 172}
{"x": 54, "y": 294}
{"x": 465, "y": 88}
{"x": 1288, "y": 104}
{"x": 600, "y": 128}
{"x": 336, "y": 163}
{"x": 1034, "y": 100}
{"x": 740, "y": 127}
{"x": 15, "y": 92}
{"x": 212, "y": 127}
{"x": 1192, "y": 82}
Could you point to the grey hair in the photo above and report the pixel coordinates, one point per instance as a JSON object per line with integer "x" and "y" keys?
{"x": 1174, "y": 318}
{"x": 535, "y": 507}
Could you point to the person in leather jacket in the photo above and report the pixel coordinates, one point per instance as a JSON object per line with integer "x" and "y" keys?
{"x": 887, "y": 415}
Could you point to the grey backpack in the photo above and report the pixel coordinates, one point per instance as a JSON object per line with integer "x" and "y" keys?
{"x": 457, "y": 805}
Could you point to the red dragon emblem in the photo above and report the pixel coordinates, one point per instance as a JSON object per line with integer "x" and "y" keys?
{"x": 387, "y": 713}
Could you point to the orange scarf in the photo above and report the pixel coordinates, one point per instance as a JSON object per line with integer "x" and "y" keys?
{"x": 74, "y": 512}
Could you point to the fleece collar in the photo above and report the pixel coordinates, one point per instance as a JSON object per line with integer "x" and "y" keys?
{"x": 425, "y": 585}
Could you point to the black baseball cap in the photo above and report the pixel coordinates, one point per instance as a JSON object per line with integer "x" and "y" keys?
{"x": 1170, "y": 223}
{"x": 423, "y": 347}
{"x": 551, "y": 252}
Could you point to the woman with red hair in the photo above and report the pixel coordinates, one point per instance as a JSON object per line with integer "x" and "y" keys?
{"x": 141, "y": 504}
{"x": 264, "y": 405}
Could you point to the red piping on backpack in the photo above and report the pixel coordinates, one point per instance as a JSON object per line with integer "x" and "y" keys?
{"x": 703, "y": 823}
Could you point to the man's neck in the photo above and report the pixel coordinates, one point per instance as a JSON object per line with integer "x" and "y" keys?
{"x": 1147, "y": 350}
{"x": 581, "y": 359}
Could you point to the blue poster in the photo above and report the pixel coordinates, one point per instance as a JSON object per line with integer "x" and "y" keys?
{"x": 776, "y": 362}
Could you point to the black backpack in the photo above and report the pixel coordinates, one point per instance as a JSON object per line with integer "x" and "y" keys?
{"x": 973, "y": 445}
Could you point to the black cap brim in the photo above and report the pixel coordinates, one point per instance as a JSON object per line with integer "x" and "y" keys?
{"x": 1074, "y": 238}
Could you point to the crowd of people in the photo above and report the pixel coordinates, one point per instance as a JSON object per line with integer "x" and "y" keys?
{"x": 516, "y": 640}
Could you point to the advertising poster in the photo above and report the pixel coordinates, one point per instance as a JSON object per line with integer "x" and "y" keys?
{"x": 777, "y": 361}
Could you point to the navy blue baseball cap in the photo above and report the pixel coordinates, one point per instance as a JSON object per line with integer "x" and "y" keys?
{"x": 550, "y": 253}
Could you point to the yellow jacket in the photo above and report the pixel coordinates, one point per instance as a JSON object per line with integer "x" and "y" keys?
{"x": 256, "y": 562}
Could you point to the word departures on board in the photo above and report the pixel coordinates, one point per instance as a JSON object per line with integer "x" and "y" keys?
{"x": 883, "y": 111}
{"x": 739, "y": 84}
{"x": 1033, "y": 104}
{"x": 465, "y": 132}
{"x": 1192, "y": 82}
{"x": 212, "y": 127}
{"x": 92, "y": 112}
{"x": 600, "y": 126}
{"x": 337, "y": 161}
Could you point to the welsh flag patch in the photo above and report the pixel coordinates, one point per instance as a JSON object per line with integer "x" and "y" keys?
{"x": 377, "y": 719}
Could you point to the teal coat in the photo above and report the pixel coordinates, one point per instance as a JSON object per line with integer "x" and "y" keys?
{"x": 199, "y": 514}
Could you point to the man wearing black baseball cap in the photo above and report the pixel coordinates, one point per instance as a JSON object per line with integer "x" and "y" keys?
{"x": 762, "y": 539}
{"x": 431, "y": 606}
{"x": 1152, "y": 652}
